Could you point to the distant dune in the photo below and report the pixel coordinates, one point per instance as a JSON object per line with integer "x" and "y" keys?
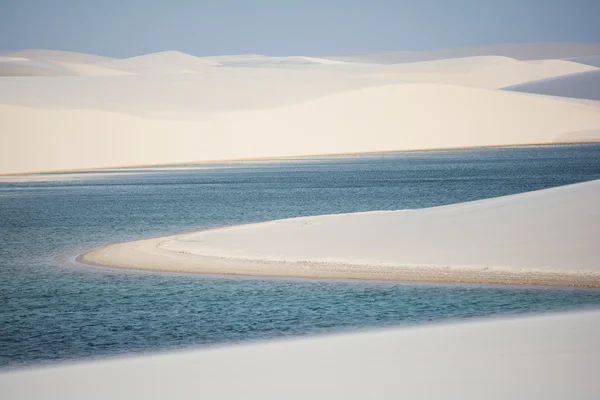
{"x": 89, "y": 111}
{"x": 519, "y": 51}
{"x": 166, "y": 61}
{"x": 482, "y": 71}
{"x": 594, "y": 61}
{"x": 23, "y": 67}
{"x": 266, "y": 61}
{"x": 56, "y": 55}
{"x": 584, "y": 85}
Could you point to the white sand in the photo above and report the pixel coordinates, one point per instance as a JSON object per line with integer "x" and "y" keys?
{"x": 584, "y": 85}
{"x": 546, "y": 237}
{"x": 545, "y": 357}
{"x": 490, "y": 72}
{"x": 56, "y": 55}
{"x": 66, "y": 111}
{"x": 165, "y": 62}
{"x": 391, "y": 117}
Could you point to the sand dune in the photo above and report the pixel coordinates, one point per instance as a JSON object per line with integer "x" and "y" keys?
{"x": 25, "y": 67}
{"x": 172, "y": 107}
{"x": 266, "y": 61}
{"x": 166, "y": 61}
{"x": 547, "y": 237}
{"x": 543, "y": 357}
{"x": 89, "y": 69}
{"x": 31, "y": 67}
{"x": 594, "y": 61}
{"x": 519, "y": 51}
{"x": 56, "y": 55}
{"x": 391, "y": 117}
{"x": 189, "y": 96}
{"x": 482, "y": 71}
{"x": 584, "y": 85}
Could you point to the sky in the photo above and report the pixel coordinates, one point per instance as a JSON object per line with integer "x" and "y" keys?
{"x": 125, "y": 28}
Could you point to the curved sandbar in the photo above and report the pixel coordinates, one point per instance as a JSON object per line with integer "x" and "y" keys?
{"x": 546, "y": 237}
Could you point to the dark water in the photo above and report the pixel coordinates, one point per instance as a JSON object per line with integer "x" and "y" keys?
{"x": 54, "y": 309}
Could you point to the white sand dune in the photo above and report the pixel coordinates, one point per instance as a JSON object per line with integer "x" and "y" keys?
{"x": 584, "y": 85}
{"x": 391, "y": 117}
{"x": 547, "y": 237}
{"x": 164, "y": 62}
{"x": 25, "y": 67}
{"x": 56, "y": 55}
{"x": 594, "y": 60}
{"x": 90, "y": 69}
{"x": 553, "y": 229}
{"x": 189, "y": 96}
{"x": 542, "y": 357}
{"x": 171, "y": 107}
{"x": 12, "y": 66}
{"x": 519, "y": 51}
{"x": 266, "y": 61}
{"x": 483, "y": 71}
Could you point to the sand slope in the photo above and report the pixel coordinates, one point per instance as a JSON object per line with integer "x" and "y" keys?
{"x": 25, "y": 67}
{"x": 544, "y": 357}
{"x": 594, "y": 60}
{"x": 56, "y": 55}
{"x": 546, "y": 237}
{"x": 584, "y": 85}
{"x": 483, "y": 71}
{"x": 253, "y": 60}
{"x": 166, "y": 61}
{"x": 391, "y": 117}
{"x": 170, "y": 107}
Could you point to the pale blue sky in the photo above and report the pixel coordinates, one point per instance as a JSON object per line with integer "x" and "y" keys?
{"x": 123, "y": 28}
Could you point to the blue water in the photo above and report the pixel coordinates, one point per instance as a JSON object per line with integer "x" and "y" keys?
{"x": 52, "y": 308}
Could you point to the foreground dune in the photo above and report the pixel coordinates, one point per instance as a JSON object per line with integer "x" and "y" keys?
{"x": 547, "y": 237}
{"x": 544, "y": 357}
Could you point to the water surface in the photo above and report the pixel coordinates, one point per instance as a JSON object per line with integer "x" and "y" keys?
{"x": 54, "y": 309}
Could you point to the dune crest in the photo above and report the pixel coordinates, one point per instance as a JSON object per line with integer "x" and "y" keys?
{"x": 491, "y": 72}
{"x": 166, "y": 61}
{"x": 383, "y": 118}
{"x": 171, "y": 107}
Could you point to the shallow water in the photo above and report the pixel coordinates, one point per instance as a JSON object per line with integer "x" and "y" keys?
{"x": 52, "y": 308}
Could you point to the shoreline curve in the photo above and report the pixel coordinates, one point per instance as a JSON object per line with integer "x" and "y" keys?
{"x": 145, "y": 255}
{"x": 545, "y": 238}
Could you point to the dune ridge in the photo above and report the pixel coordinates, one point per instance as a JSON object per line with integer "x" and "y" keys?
{"x": 384, "y": 118}
{"x": 583, "y": 85}
{"x": 88, "y": 111}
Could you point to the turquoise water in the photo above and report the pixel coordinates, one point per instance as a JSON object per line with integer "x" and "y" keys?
{"x": 53, "y": 309}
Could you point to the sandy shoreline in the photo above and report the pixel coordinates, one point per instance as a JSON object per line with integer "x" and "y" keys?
{"x": 146, "y": 255}
{"x": 302, "y": 157}
{"x": 544, "y": 237}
